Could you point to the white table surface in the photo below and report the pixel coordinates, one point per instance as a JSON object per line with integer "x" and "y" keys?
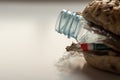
{"x": 29, "y": 45}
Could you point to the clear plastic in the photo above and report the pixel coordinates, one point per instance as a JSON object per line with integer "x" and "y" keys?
{"x": 73, "y": 25}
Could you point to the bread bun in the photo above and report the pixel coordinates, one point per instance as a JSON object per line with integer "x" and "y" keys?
{"x": 105, "y": 13}
{"x": 105, "y": 62}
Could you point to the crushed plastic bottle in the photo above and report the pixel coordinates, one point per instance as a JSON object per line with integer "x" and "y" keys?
{"x": 73, "y": 25}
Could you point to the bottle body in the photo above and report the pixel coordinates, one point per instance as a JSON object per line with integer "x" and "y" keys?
{"x": 73, "y": 25}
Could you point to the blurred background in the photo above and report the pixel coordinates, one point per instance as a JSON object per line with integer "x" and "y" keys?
{"x": 29, "y": 44}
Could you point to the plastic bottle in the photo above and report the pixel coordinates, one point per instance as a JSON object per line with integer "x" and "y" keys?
{"x": 73, "y": 25}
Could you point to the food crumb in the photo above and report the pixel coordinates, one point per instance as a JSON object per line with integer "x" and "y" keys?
{"x": 70, "y": 61}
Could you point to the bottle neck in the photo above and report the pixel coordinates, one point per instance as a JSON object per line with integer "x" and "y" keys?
{"x": 69, "y": 23}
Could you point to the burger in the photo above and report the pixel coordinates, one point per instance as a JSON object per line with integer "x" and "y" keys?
{"x": 103, "y": 17}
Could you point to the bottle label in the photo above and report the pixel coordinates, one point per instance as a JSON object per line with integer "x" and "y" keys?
{"x": 93, "y": 46}
{"x": 100, "y": 47}
{"x": 84, "y": 47}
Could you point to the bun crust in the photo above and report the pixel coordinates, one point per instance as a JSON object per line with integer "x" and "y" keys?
{"x": 105, "y": 13}
{"x": 106, "y": 63}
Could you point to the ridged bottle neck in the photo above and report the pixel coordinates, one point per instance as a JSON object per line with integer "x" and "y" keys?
{"x": 69, "y": 23}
